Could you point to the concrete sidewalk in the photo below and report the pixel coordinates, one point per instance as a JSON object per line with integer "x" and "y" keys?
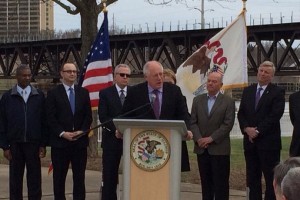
{"x": 188, "y": 191}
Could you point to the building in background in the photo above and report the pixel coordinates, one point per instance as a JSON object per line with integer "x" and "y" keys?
{"x": 25, "y": 20}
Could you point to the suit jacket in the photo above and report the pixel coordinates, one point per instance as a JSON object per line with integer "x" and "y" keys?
{"x": 295, "y": 119}
{"x": 60, "y": 117}
{"x": 217, "y": 124}
{"x": 266, "y": 117}
{"x": 173, "y": 107}
{"x": 173, "y": 103}
{"x": 110, "y": 107}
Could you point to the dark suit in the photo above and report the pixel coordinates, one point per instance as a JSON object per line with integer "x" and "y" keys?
{"x": 110, "y": 107}
{"x": 264, "y": 153}
{"x": 173, "y": 107}
{"x": 295, "y": 119}
{"x": 213, "y": 161}
{"x": 63, "y": 152}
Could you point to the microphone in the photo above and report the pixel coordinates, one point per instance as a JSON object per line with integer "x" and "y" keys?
{"x": 152, "y": 99}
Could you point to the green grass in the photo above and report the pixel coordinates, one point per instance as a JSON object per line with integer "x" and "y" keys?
{"x": 237, "y": 163}
{"x": 237, "y": 174}
{"x": 237, "y": 152}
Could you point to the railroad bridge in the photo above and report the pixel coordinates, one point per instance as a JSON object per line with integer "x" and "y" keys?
{"x": 279, "y": 43}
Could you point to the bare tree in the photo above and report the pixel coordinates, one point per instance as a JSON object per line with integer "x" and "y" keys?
{"x": 88, "y": 11}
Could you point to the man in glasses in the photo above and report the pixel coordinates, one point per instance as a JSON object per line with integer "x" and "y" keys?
{"x": 68, "y": 114}
{"x": 110, "y": 106}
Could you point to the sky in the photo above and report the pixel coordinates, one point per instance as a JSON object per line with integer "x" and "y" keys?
{"x": 138, "y": 14}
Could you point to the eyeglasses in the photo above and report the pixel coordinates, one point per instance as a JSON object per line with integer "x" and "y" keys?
{"x": 123, "y": 75}
{"x": 70, "y": 71}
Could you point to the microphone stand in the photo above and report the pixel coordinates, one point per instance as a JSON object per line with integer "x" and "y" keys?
{"x": 108, "y": 121}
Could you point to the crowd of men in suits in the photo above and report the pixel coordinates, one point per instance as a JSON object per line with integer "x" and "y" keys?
{"x": 29, "y": 122}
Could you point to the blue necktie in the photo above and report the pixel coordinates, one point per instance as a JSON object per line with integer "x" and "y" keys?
{"x": 257, "y": 97}
{"x": 72, "y": 99}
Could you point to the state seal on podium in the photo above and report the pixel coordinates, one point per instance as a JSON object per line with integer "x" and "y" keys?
{"x": 150, "y": 150}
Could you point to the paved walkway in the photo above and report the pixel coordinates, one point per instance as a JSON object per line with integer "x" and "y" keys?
{"x": 188, "y": 191}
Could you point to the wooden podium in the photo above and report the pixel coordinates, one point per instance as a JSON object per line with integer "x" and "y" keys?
{"x": 151, "y": 158}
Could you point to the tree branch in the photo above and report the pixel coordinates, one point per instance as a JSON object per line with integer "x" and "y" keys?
{"x": 163, "y": 2}
{"x": 221, "y": 5}
{"x": 100, "y": 5}
{"x": 66, "y": 7}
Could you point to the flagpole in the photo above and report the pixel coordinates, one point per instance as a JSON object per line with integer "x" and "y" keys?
{"x": 244, "y": 5}
{"x": 104, "y": 6}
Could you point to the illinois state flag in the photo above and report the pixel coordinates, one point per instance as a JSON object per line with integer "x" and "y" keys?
{"x": 96, "y": 73}
{"x": 225, "y": 53}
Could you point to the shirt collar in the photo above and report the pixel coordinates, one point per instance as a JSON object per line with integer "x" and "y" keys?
{"x": 27, "y": 89}
{"x": 263, "y": 87}
{"x": 213, "y": 95}
{"x": 150, "y": 89}
{"x": 67, "y": 87}
{"x": 119, "y": 89}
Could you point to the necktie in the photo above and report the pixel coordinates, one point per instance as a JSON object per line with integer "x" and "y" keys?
{"x": 122, "y": 97}
{"x": 72, "y": 99}
{"x": 257, "y": 97}
{"x": 156, "y": 104}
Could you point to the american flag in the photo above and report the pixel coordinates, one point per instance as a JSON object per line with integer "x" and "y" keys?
{"x": 96, "y": 73}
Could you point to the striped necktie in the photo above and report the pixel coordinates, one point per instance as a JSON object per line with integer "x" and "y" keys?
{"x": 122, "y": 97}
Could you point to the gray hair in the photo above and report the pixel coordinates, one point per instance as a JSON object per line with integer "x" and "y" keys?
{"x": 119, "y": 66}
{"x": 146, "y": 67}
{"x": 282, "y": 169}
{"x": 291, "y": 184}
{"x": 268, "y": 64}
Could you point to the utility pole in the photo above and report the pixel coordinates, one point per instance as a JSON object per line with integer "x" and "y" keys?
{"x": 202, "y": 15}
{"x": 18, "y": 20}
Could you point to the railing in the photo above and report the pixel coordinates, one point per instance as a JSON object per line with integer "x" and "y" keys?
{"x": 179, "y": 25}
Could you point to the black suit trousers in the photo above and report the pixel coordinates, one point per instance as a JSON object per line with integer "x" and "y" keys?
{"x": 110, "y": 163}
{"x": 258, "y": 162}
{"x": 61, "y": 159}
{"x": 214, "y": 175}
{"x": 25, "y": 154}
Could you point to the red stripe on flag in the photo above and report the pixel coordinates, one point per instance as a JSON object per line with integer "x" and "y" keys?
{"x": 50, "y": 169}
{"x": 98, "y": 87}
{"x": 98, "y": 72}
{"x": 94, "y": 103}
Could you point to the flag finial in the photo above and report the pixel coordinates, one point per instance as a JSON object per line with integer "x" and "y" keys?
{"x": 104, "y": 5}
{"x": 244, "y": 5}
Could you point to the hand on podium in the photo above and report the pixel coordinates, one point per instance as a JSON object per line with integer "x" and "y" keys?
{"x": 189, "y": 135}
{"x": 118, "y": 135}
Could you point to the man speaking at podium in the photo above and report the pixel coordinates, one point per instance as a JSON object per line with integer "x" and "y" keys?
{"x": 166, "y": 99}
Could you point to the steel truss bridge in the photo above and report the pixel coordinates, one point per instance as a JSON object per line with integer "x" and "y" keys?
{"x": 279, "y": 43}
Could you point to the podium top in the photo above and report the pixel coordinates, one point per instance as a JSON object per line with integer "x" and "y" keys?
{"x": 123, "y": 124}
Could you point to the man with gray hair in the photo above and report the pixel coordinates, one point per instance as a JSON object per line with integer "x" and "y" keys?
{"x": 291, "y": 185}
{"x": 168, "y": 104}
{"x": 110, "y": 106}
{"x": 280, "y": 171}
{"x": 261, "y": 107}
